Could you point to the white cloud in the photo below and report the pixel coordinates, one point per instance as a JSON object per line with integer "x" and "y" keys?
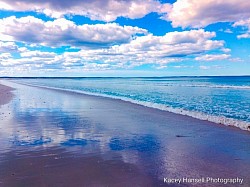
{"x": 64, "y": 32}
{"x": 26, "y": 61}
{"x": 178, "y": 67}
{"x": 155, "y": 50}
{"x": 244, "y": 24}
{"x": 8, "y": 47}
{"x": 228, "y": 31}
{"x": 4, "y": 56}
{"x": 212, "y": 57}
{"x": 237, "y": 59}
{"x": 204, "y": 67}
{"x": 106, "y": 10}
{"x": 172, "y": 45}
{"x": 194, "y": 13}
{"x": 246, "y": 35}
{"x": 226, "y": 50}
{"x": 210, "y": 67}
{"x": 39, "y": 54}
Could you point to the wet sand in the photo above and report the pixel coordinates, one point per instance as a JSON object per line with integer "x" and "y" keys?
{"x": 57, "y": 138}
{"x": 5, "y": 94}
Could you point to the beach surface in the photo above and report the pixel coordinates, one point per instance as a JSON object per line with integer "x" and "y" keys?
{"x": 60, "y": 138}
{"x": 5, "y": 94}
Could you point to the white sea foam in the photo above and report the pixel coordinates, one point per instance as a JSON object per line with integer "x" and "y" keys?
{"x": 198, "y": 115}
{"x": 216, "y": 86}
{"x": 245, "y": 87}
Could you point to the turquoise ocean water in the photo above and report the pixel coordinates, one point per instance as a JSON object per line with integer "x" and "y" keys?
{"x": 224, "y": 100}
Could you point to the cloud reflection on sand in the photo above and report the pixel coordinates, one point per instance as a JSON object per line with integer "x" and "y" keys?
{"x": 59, "y": 121}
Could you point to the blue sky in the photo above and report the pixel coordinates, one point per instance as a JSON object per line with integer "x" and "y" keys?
{"x": 124, "y": 38}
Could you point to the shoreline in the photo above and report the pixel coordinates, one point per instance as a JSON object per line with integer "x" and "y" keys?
{"x": 100, "y": 141}
{"x": 228, "y": 122}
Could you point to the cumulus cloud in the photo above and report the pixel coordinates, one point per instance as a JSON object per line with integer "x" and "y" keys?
{"x": 64, "y": 32}
{"x": 106, "y": 10}
{"x": 106, "y": 46}
{"x": 245, "y": 24}
{"x": 149, "y": 49}
{"x": 193, "y": 13}
{"x": 173, "y": 44}
{"x": 208, "y": 57}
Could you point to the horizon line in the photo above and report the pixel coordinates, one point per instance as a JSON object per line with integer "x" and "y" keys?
{"x": 125, "y": 76}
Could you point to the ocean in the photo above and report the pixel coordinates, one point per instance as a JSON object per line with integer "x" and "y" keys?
{"x": 223, "y": 99}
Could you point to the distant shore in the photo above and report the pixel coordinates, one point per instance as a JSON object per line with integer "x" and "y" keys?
{"x": 59, "y": 138}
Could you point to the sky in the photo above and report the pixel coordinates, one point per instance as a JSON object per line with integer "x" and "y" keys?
{"x": 124, "y": 37}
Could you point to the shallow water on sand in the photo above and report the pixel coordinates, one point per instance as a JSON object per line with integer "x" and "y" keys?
{"x": 56, "y": 138}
